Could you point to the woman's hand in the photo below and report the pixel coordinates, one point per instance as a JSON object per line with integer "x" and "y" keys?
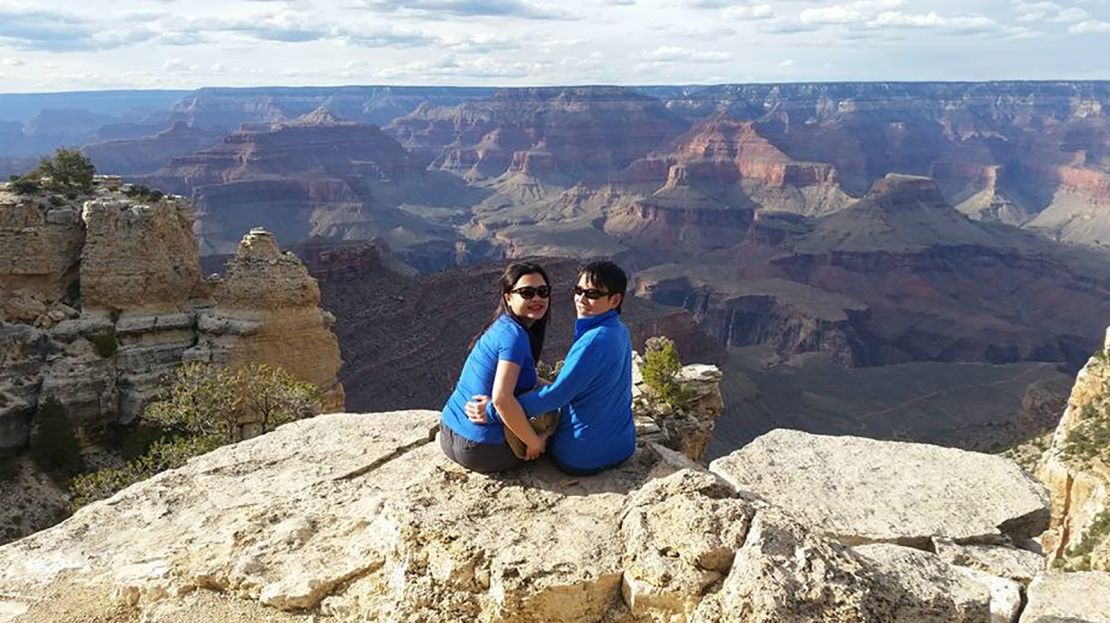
{"x": 476, "y": 409}
{"x": 534, "y": 451}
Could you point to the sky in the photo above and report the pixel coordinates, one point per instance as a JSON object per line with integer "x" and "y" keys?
{"x": 56, "y": 45}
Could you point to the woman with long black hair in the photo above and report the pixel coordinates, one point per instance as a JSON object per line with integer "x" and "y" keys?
{"x": 501, "y": 364}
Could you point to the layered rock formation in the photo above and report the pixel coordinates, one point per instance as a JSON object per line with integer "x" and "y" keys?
{"x": 102, "y": 297}
{"x": 137, "y": 156}
{"x": 582, "y": 133}
{"x": 1077, "y": 471}
{"x": 731, "y": 161}
{"x": 229, "y": 107}
{"x": 315, "y": 177}
{"x": 266, "y": 300}
{"x": 360, "y": 517}
{"x": 898, "y": 276}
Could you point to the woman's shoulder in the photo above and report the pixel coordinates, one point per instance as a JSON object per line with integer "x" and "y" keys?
{"x": 505, "y": 329}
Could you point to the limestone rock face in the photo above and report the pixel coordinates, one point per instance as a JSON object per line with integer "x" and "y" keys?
{"x": 1077, "y": 472}
{"x": 360, "y": 517}
{"x": 40, "y": 250}
{"x": 862, "y": 491}
{"x": 138, "y": 257}
{"x": 265, "y": 297}
{"x": 101, "y": 297}
{"x": 1066, "y": 597}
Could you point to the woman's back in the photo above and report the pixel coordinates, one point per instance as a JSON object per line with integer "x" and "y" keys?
{"x": 504, "y": 340}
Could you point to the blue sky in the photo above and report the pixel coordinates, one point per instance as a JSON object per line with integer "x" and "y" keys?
{"x": 52, "y": 45}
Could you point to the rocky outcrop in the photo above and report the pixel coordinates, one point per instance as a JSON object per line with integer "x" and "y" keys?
{"x": 1076, "y": 469}
{"x": 264, "y": 298}
{"x": 865, "y": 491}
{"x": 138, "y": 256}
{"x": 689, "y": 428}
{"x": 40, "y": 253}
{"x": 102, "y": 299}
{"x": 360, "y": 517}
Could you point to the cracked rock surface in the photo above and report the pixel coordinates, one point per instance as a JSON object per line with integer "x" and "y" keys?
{"x": 359, "y": 517}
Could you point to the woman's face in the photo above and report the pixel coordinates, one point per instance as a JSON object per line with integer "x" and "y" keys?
{"x": 529, "y": 308}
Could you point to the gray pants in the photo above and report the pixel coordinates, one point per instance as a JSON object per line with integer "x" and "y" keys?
{"x": 478, "y": 457}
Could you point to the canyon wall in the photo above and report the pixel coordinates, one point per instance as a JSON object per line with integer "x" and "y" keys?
{"x": 102, "y": 298}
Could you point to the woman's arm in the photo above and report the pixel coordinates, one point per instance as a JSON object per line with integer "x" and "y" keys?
{"x": 512, "y": 415}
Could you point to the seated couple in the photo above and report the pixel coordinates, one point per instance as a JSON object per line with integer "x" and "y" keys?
{"x": 499, "y": 390}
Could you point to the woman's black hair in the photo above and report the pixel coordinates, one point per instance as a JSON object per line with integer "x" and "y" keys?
{"x": 508, "y": 280}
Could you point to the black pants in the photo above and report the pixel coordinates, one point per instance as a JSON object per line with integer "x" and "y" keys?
{"x": 479, "y": 457}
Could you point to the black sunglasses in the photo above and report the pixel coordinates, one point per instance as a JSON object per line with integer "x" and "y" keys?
{"x": 592, "y": 294}
{"x": 527, "y": 292}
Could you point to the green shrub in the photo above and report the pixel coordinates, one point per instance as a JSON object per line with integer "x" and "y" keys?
{"x": 54, "y": 444}
{"x": 162, "y": 455}
{"x": 104, "y": 342}
{"x": 269, "y": 397}
{"x": 25, "y": 185}
{"x": 144, "y": 193}
{"x": 661, "y": 370}
{"x": 545, "y": 371}
{"x": 206, "y": 408}
{"x": 1079, "y": 556}
{"x": 68, "y": 171}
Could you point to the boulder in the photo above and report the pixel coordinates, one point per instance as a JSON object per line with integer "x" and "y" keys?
{"x": 864, "y": 491}
{"x": 1008, "y": 562}
{"x": 956, "y": 597}
{"x": 1081, "y": 597}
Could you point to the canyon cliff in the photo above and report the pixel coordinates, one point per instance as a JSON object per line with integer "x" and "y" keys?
{"x": 1076, "y": 468}
{"x": 898, "y": 276}
{"x": 103, "y": 298}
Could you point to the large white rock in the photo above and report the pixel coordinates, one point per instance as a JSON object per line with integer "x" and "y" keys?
{"x": 1007, "y": 562}
{"x": 862, "y": 490}
{"x": 1081, "y": 597}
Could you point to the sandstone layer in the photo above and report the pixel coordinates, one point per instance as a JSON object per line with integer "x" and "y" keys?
{"x": 359, "y": 517}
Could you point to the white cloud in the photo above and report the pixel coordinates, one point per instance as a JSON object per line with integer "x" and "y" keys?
{"x": 1090, "y": 26}
{"x": 861, "y": 11}
{"x": 12, "y": 62}
{"x": 1049, "y": 12}
{"x": 932, "y": 19}
{"x": 176, "y": 65}
{"x": 671, "y": 54}
{"x": 748, "y": 12}
{"x": 787, "y": 63}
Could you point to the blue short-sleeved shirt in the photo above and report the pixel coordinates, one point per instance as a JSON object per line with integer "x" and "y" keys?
{"x": 504, "y": 340}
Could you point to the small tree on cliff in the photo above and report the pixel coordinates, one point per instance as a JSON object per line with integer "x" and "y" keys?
{"x": 207, "y": 407}
{"x": 68, "y": 171}
{"x": 661, "y": 370}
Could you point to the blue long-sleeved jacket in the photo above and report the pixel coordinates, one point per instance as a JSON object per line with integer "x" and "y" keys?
{"x": 594, "y": 391}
